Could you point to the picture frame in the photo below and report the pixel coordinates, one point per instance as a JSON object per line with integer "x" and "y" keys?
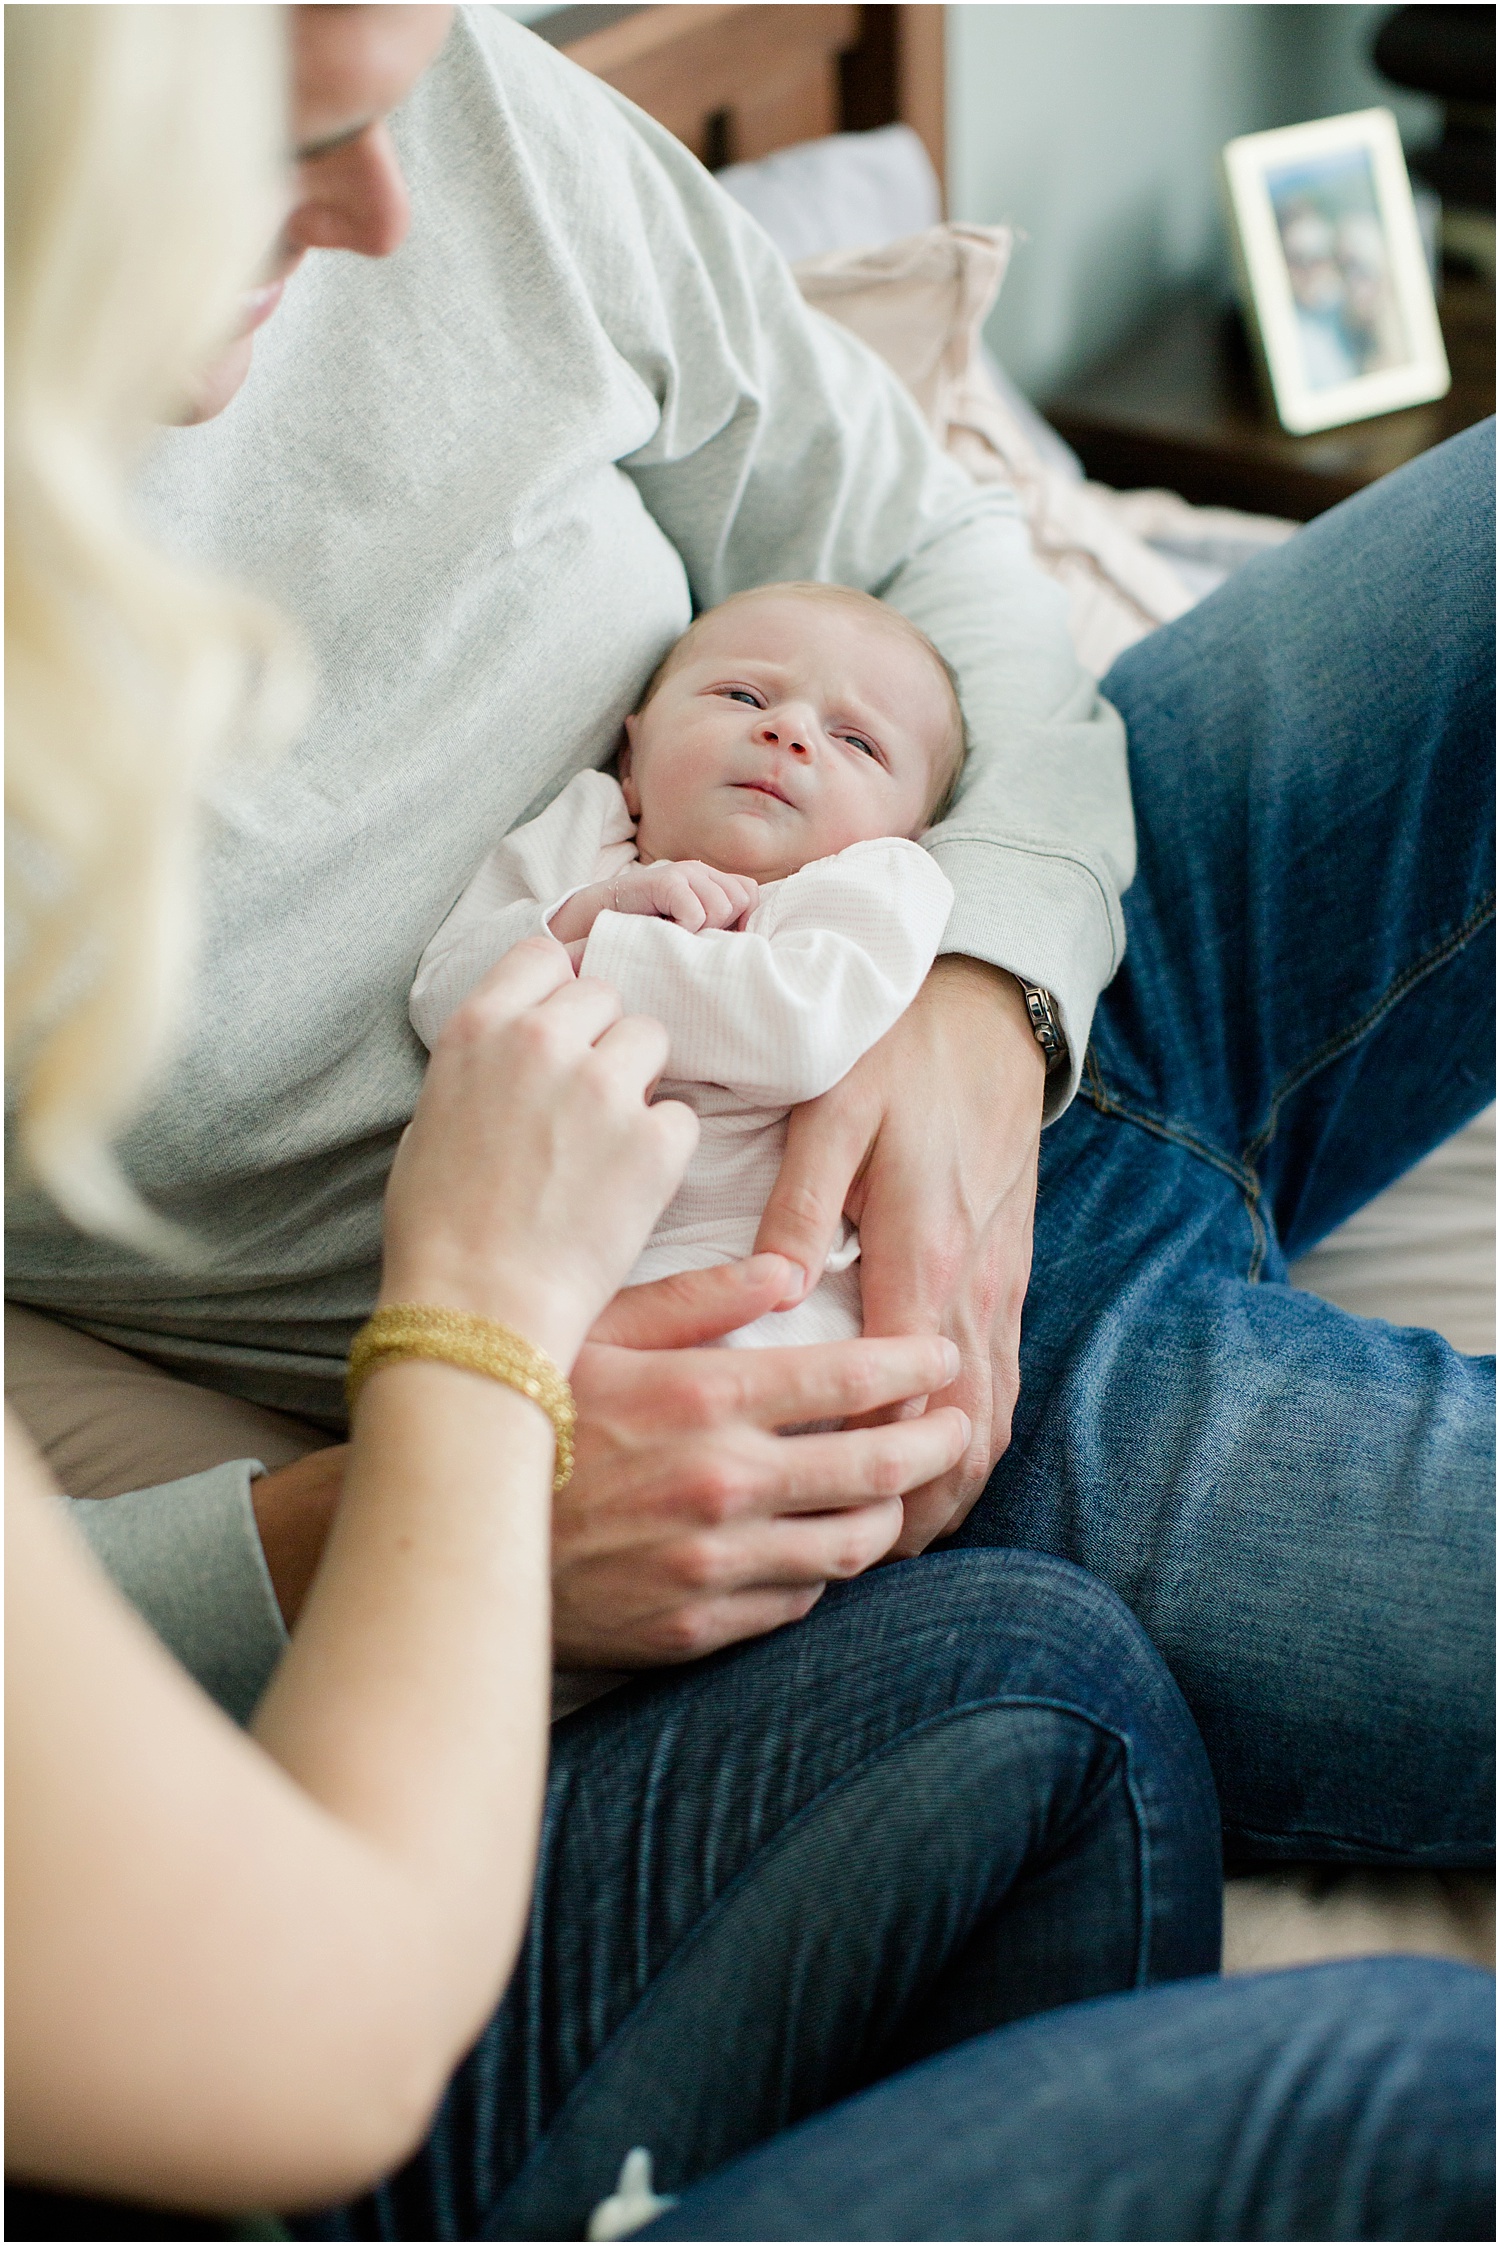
{"x": 1333, "y": 276}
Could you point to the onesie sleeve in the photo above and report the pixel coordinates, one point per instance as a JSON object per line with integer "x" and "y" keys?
{"x": 517, "y": 888}
{"x": 778, "y": 1012}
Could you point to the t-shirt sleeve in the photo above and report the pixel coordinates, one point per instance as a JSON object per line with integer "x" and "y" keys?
{"x": 779, "y": 1011}
{"x": 783, "y": 448}
{"x": 187, "y": 1555}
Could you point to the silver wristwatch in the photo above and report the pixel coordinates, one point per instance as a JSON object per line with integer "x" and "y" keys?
{"x": 1045, "y": 1026}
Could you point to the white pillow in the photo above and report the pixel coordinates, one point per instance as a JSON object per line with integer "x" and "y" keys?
{"x": 840, "y": 193}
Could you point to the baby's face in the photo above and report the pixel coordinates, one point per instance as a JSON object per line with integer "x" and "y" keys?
{"x": 791, "y": 729}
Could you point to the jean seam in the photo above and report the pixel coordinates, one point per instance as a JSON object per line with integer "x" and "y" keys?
{"x": 1244, "y": 1172}
{"x": 1439, "y": 1855}
{"x": 1345, "y": 1040}
{"x": 845, "y": 1778}
{"x": 1109, "y": 1104}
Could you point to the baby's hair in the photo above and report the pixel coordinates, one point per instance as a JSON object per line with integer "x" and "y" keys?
{"x": 949, "y": 764}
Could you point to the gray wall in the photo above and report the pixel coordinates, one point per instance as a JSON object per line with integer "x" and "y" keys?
{"x": 1097, "y": 129}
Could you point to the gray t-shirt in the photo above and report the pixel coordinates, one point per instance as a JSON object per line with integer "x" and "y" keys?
{"x": 491, "y": 477}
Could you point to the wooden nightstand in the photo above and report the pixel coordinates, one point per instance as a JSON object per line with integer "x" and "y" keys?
{"x": 1178, "y": 406}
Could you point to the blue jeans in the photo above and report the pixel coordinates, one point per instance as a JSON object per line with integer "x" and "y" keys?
{"x": 958, "y": 1794}
{"x": 1297, "y": 1503}
{"x": 1340, "y": 2101}
{"x": 962, "y": 1796}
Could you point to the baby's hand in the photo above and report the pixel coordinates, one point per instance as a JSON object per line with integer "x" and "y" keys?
{"x": 679, "y": 889}
{"x": 695, "y": 896}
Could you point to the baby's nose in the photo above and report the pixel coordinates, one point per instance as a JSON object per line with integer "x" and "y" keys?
{"x": 782, "y": 733}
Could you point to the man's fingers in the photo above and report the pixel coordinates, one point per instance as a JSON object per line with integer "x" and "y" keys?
{"x": 714, "y": 1587}
{"x": 828, "y": 1380}
{"x": 824, "y": 1150}
{"x": 694, "y": 1307}
{"x": 933, "y": 1512}
{"x": 938, "y": 1508}
{"x": 812, "y": 1473}
{"x": 724, "y": 1491}
{"x": 822, "y": 1547}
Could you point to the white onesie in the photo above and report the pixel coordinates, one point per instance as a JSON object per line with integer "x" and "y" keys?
{"x": 759, "y": 1019}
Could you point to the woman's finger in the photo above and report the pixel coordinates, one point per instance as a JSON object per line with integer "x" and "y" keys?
{"x": 584, "y": 1007}
{"x": 528, "y": 973}
{"x": 636, "y": 1047}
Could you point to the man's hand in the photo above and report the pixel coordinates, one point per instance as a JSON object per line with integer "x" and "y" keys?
{"x": 929, "y": 1144}
{"x": 689, "y": 1523}
{"x": 294, "y": 1509}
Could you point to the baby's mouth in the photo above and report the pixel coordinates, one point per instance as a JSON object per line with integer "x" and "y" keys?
{"x": 766, "y": 787}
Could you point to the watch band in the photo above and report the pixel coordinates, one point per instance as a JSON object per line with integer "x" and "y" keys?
{"x": 1045, "y": 1026}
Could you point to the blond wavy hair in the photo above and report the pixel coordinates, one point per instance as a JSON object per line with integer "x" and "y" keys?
{"x": 145, "y": 178}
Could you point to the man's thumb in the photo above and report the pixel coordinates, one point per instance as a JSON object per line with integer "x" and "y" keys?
{"x": 801, "y": 1219}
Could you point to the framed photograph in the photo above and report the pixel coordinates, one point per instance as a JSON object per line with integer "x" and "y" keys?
{"x": 1333, "y": 276}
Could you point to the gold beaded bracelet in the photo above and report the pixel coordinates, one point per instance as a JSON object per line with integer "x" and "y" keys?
{"x": 476, "y": 1345}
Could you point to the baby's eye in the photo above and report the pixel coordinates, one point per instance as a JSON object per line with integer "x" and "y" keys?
{"x": 858, "y": 741}
{"x": 741, "y": 694}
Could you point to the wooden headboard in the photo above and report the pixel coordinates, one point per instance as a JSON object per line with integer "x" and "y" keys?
{"x": 735, "y": 83}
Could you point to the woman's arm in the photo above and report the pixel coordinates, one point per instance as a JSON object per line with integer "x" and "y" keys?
{"x": 241, "y": 1968}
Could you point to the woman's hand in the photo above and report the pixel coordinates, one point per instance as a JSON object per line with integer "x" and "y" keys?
{"x": 695, "y": 896}
{"x": 533, "y": 1168}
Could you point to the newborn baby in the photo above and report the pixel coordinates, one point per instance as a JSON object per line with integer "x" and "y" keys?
{"x": 751, "y": 881}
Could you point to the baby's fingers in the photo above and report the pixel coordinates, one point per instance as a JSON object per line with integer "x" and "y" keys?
{"x": 741, "y": 895}
{"x": 676, "y": 897}
{"x": 712, "y": 891}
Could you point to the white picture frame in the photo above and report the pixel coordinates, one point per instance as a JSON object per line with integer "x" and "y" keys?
{"x": 1333, "y": 276}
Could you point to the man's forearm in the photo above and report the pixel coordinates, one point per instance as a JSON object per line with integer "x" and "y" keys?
{"x": 1040, "y": 842}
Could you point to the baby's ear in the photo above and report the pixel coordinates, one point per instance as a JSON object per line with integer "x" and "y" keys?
{"x": 623, "y": 763}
